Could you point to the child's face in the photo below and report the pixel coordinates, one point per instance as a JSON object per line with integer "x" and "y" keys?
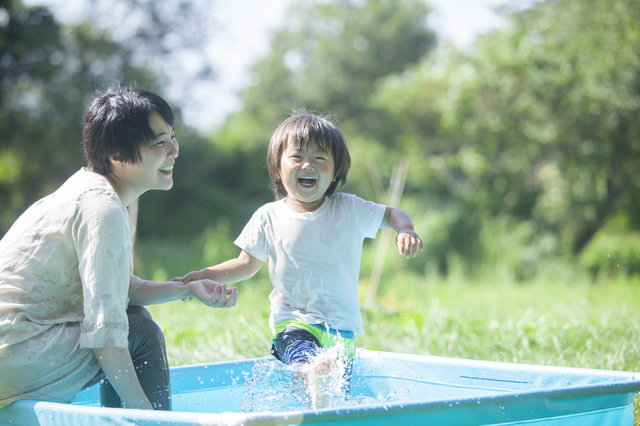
{"x": 306, "y": 174}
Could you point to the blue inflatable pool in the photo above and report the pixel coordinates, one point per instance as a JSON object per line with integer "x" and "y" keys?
{"x": 443, "y": 391}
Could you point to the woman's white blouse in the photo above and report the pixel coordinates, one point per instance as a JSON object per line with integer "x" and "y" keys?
{"x": 65, "y": 269}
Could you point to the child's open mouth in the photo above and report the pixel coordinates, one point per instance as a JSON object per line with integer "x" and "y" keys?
{"x": 307, "y": 181}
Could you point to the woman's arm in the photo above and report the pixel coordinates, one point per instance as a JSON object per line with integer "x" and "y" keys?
{"x": 117, "y": 365}
{"x": 232, "y": 271}
{"x": 408, "y": 241}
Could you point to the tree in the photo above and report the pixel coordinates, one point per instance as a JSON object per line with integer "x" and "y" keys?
{"x": 48, "y": 73}
{"x": 169, "y": 37}
{"x": 539, "y": 121}
{"x": 328, "y": 59}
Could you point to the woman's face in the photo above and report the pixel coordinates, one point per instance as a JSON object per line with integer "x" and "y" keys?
{"x": 155, "y": 168}
{"x": 306, "y": 174}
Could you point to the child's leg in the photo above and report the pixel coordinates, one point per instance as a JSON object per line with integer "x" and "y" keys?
{"x": 319, "y": 378}
{"x": 297, "y": 345}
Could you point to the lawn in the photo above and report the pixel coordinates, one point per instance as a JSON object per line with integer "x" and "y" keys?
{"x": 575, "y": 325}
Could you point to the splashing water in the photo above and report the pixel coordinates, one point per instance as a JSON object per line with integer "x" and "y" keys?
{"x": 275, "y": 386}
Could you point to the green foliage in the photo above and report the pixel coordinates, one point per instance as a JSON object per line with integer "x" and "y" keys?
{"x": 48, "y": 75}
{"x": 170, "y": 37}
{"x": 615, "y": 249}
{"x": 327, "y": 59}
{"x": 521, "y": 150}
{"x": 338, "y": 50}
{"x": 538, "y": 122}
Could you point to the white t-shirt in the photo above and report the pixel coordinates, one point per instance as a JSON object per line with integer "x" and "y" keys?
{"x": 65, "y": 270}
{"x": 314, "y": 258}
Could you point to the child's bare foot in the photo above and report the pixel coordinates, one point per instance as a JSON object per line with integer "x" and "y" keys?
{"x": 319, "y": 381}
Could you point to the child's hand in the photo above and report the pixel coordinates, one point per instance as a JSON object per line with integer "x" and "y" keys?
{"x": 408, "y": 243}
{"x": 213, "y": 294}
{"x": 191, "y": 276}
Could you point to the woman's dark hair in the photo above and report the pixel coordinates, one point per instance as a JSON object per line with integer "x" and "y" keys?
{"x": 300, "y": 131}
{"x": 116, "y": 125}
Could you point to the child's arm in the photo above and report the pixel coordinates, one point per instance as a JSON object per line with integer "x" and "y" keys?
{"x": 229, "y": 272}
{"x": 407, "y": 240}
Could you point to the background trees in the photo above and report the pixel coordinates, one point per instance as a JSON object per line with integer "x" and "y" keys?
{"x": 48, "y": 73}
{"x": 328, "y": 59}
{"x": 538, "y": 123}
{"x": 523, "y": 150}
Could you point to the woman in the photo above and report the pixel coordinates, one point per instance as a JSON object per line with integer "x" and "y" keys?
{"x": 70, "y": 308}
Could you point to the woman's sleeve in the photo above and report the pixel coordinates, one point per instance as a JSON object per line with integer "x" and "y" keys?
{"x": 103, "y": 243}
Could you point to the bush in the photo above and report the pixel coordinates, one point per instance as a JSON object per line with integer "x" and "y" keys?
{"x": 612, "y": 254}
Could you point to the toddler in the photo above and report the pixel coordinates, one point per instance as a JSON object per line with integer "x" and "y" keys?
{"x": 313, "y": 240}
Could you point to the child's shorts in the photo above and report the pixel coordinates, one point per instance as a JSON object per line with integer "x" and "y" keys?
{"x": 296, "y": 341}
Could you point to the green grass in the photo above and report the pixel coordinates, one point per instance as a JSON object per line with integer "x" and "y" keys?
{"x": 573, "y": 324}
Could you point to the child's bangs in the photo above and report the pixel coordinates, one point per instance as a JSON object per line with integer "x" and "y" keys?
{"x": 329, "y": 140}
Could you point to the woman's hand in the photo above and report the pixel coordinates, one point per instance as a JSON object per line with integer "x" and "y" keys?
{"x": 191, "y": 276}
{"x": 213, "y": 294}
{"x": 117, "y": 365}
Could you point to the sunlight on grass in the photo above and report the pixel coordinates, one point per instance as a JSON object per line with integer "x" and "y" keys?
{"x": 576, "y": 325}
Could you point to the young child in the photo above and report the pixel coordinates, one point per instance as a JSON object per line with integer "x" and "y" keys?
{"x": 313, "y": 241}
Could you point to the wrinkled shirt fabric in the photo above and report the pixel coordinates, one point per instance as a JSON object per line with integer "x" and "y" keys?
{"x": 314, "y": 258}
{"x": 65, "y": 272}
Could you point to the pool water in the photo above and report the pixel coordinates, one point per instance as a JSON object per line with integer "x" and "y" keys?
{"x": 274, "y": 386}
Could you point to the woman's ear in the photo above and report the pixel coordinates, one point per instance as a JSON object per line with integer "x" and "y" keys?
{"x": 116, "y": 163}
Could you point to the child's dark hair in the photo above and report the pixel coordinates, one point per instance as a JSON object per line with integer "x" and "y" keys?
{"x": 116, "y": 125}
{"x": 301, "y": 130}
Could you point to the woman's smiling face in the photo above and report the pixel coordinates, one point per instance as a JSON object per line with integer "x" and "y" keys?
{"x": 157, "y": 159}
{"x": 306, "y": 173}
{"x": 155, "y": 168}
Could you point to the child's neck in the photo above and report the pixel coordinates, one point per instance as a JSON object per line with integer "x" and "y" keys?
{"x": 303, "y": 207}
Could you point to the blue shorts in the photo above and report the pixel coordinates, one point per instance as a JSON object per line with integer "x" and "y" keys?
{"x": 296, "y": 341}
